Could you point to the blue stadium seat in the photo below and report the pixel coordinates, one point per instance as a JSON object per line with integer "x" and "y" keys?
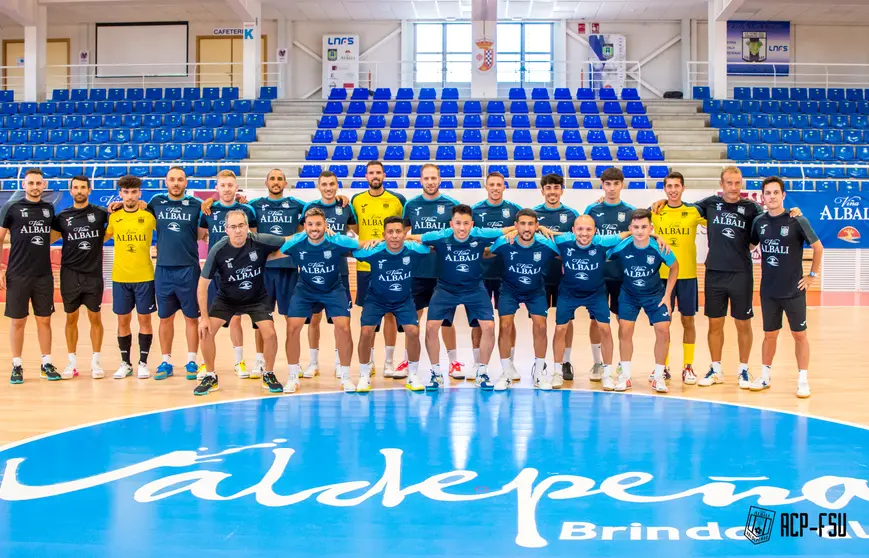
{"x": 518, "y": 107}
{"x": 546, "y": 136}
{"x": 46, "y": 108}
{"x": 496, "y": 121}
{"x": 240, "y": 105}
{"x": 770, "y": 107}
{"x": 445, "y": 153}
{"x": 652, "y": 153}
{"x": 322, "y": 136}
{"x": 749, "y": 135}
{"x": 568, "y": 121}
{"x": 360, "y": 94}
{"x": 231, "y": 93}
{"x": 376, "y": 122}
{"x": 742, "y": 93}
{"x": 833, "y": 136}
{"x": 542, "y": 107}
{"x": 333, "y": 107}
{"x": 352, "y": 122}
{"x": 574, "y": 153}
{"x": 828, "y": 107}
{"x": 446, "y": 136}
{"x": 623, "y": 136}
{"x": 521, "y": 136}
{"x": 424, "y": 121}
{"x": 356, "y": 107}
{"x": 254, "y": 120}
{"x": 571, "y": 136}
{"x": 758, "y": 153}
{"x": 372, "y": 136}
{"x": 845, "y": 153}
{"x": 421, "y": 136}
{"x": 780, "y": 94}
{"x": 646, "y": 137}
{"x": 588, "y": 107}
{"x": 607, "y": 94}
{"x": 769, "y": 135}
{"x": 544, "y": 121}
{"x": 394, "y": 153}
{"x": 57, "y": 136}
{"x": 447, "y": 171}
{"x": 839, "y": 121}
{"x": 596, "y": 136}
{"x": 390, "y": 171}
{"x": 789, "y": 107}
{"x": 635, "y": 107}
{"x": 592, "y": 121}
{"x": 740, "y": 120}
{"x": 549, "y": 153}
{"x": 626, "y": 153}
{"x": 472, "y": 153}
{"x": 472, "y": 136}
{"x": 497, "y": 153}
{"x": 420, "y": 153}
{"x": 817, "y": 94}
{"x": 585, "y": 94}
{"x": 612, "y": 107}
{"x": 427, "y": 94}
{"x": 268, "y": 92}
{"x": 641, "y": 123}
{"x": 760, "y": 93}
{"x": 425, "y": 107}
{"x": 368, "y": 153}
{"x": 565, "y": 107}
{"x": 397, "y": 136}
{"x": 348, "y": 136}
{"x": 525, "y": 171}
{"x": 520, "y": 121}
{"x": 562, "y": 94}
{"x": 523, "y": 153}
{"x": 578, "y": 171}
{"x": 203, "y": 135}
{"x": 316, "y": 153}
{"x": 822, "y": 153}
{"x": 630, "y": 94}
{"x": 616, "y": 122}
{"x": 448, "y": 121}
{"x": 601, "y": 153}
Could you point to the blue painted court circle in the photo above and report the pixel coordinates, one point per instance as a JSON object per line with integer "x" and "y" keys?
{"x": 460, "y": 473}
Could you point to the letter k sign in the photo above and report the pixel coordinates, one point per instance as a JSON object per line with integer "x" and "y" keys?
{"x": 248, "y": 34}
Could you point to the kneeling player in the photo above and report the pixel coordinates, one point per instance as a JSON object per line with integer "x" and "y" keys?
{"x": 522, "y": 283}
{"x": 640, "y": 261}
{"x": 391, "y": 293}
{"x": 238, "y": 261}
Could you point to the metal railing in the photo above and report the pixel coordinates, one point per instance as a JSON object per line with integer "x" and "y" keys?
{"x": 799, "y": 74}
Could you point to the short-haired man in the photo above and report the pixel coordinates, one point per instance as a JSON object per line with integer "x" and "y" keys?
{"x": 782, "y": 284}
{"x": 319, "y": 283}
{"x": 432, "y": 211}
{"x": 391, "y": 263}
{"x": 640, "y": 260}
{"x": 176, "y": 275}
{"x": 237, "y": 262}
{"x": 525, "y": 264}
{"x": 28, "y": 280}
{"x": 494, "y": 212}
{"x": 213, "y": 221}
{"x": 369, "y": 209}
{"x": 555, "y": 217}
{"x": 611, "y": 217}
{"x": 677, "y": 223}
{"x": 82, "y": 228}
{"x": 132, "y": 275}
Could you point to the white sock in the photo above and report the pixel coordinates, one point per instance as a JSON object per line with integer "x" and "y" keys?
{"x": 71, "y": 358}
{"x": 337, "y": 359}
{"x": 436, "y": 368}
{"x": 567, "y": 354}
{"x": 239, "y": 354}
{"x": 505, "y": 365}
{"x": 46, "y": 359}
{"x": 512, "y": 353}
{"x": 167, "y": 358}
{"x": 476, "y": 357}
{"x": 659, "y": 372}
{"x": 295, "y": 370}
{"x": 345, "y": 372}
{"x": 406, "y": 358}
{"x": 607, "y": 370}
{"x": 558, "y": 367}
{"x": 412, "y": 367}
{"x": 716, "y": 367}
{"x": 390, "y": 354}
{"x": 364, "y": 370}
{"x": 804, "y": 376}
{"x": 482, "y": 369}
{"x": 596, "y": 353}
{"x": 626, "y": 369}
{"x": 452, "y": 355}
{"x": 191, "y": 357}
{"x": 260, "y": 357}
{"x": 16, "y": 361}
{"x": 315, "y": 356}
{"x": 210, "y": 373}
{"x": 539, "y": 363}
{"x": 95, "y": 359}
{"x": 765, "y": 372}
{"x": 371, "y": 357}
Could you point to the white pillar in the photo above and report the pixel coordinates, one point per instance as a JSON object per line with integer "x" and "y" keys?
{"x": 559, "y": 53}
{"x": 253, "y": 56}
{"x": 35, "y": 40}
{"x": 717, "y": 51}
{"x": 686, "y": 57}
{"x": 286, "y": 35}
{"x": 407, "y": 67}
{"x": 484, "y": 84}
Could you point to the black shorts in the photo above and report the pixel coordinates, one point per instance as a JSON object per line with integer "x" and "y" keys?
{"x": 493, "y": 288}
{"x": 35, "y": 291}
{"x": 224, "y": 308}
{"x": 613, "y": 289}
{"x": 77, "y": 289}
{"x": 684, "y": 296}
{"x": 723, "y": 287}
{"x": 773, "y": 308}
{"x": 551, "y": 295}
{"x": 422, "y": 289}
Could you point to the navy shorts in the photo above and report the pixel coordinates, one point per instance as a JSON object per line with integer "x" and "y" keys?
{"x": 280, "y": 284}
{"x": 651, "y": 305}
{"x": 613, "y": 289}
{"x": 306, "y": 302}
{"x": 684, "y": 296}
{"x": 423, "y": 289}
{"x": 175, "y": 288}
{"x": 569, "y": 301}
{"x": 126, "y": 296}
{"x": 493, "y": 289}
{"x": 404, "y": 312}
{"x": 477, "y": 305}
{"x": 345, "y": 280}
{"x": 362, "y": 279}
{"x": 535, "y": 302}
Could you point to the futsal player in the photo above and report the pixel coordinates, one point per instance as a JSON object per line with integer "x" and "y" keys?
{"x": 237, "y": 262}
{"x": 391, "y": 264}
{"x": 319, "y": 283}
{"x": 176, "y": 274}
{"x": 555, "y": 217}
{"x": 370, "y": 208}
{"x": 677, "y": 223}
{"x": 611, "y": 216}
{"x": 227, "y": 188}
{"x": 640, "y": 260}
{"x": 432, "y": 211}
{"x": 494, "y": 212}
{"x": 526, "y": 260}
{"x": 28, "y": 279}
{"x": 132, "y": 275}
{"x": 82, "y": 228}
{"x": 339, "y": 219}
{"x": 783, "y": 286}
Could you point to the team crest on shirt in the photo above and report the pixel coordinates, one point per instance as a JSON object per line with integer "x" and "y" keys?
{"x": 592, "y": 252}
{"x": 474, "y": 244}
{"x": 506, "y": 213}
{"x": 650, "y": 260}
{"x": 538, "y": 256}
{"x": 740, "y": 210}
{"x": 563, "y": 217}
{"x": 621, "y": 217}
{"x": 253, "y": 256}
{"x": 327, "y": 254}
{"x": 784, "y": 230}
{"x": 92, "y": 218}
{"x": 285, "y": 205}
{"x": 405, "y": 260}
{"x": 441, "y": 210}
{"x": 185, "y": 202}
{"x": 45, "y": 213}
{"x": 339, "y": 211}
{"x": 141, "y": 220}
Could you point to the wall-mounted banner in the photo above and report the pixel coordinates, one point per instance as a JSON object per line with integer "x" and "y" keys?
{"x": 282, "y": 56}
{"x": 607, "y": 60}
{"x": 84, "y": 57}
{"x": 340, "y": 62}
{"x": 758, "y": 47}
{"x": 840, "y": 220}
{"x": 247, "y": 32}
{"x": 484, "y": 55}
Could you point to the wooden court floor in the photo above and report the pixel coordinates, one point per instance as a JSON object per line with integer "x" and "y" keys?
{"x": 839, "y": 372}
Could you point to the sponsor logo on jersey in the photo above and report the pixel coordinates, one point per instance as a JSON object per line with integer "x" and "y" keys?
{"x": 395, "y": 287}
{"x": 228, "y": 263}
{"x": 772, "y": 261}
{"x": 37, "y": 240}
{"x": 524, "y": 279}
{"x": 23, "y": 211}
{"x": 275, "y": 229}
{"x": 84, "y": 245}
{"x": 174, "y": 227}
{"x": 582, "y": 276}
{"x": 245, "y": 285}
{"x": 639, "y": 282}
{"x": 763, "y": 228}
{"x": 318, "y": 280}
{"x": 463, "y": 268}
{"x": 728, "y": 233}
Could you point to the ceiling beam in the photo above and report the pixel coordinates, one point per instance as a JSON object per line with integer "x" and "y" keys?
{"x": 728, "y": 8}
{"x": 246, "y": 10}
{"x": 22, "y": 12}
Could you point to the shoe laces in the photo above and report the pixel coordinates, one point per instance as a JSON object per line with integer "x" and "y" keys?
{"x": 270, "y": 378}
{"x": 49, "y": 367}
{"x": 456, "y": 366}
{"x": 710, "y": 373}
{"x": 744, "y": 375}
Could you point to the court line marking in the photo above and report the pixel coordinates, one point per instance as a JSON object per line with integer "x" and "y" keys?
{"x": 38, "y": 437}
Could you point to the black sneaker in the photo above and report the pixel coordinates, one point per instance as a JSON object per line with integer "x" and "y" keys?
{"x": 207, "y": 385}
{"x": 17, "y": 375}
{"x": 271, "y": 383}
{"x": 567, "y": 371}
{"x": 49, "y": 372}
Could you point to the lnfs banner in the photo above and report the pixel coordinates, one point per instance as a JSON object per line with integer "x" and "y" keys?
{"x": 758, "y": 47}
{"x": 340, "y": 62}
{"x": 607, "y": 61}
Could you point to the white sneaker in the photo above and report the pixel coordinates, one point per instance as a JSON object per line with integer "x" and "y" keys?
{"x": 623, "y": 383}
{"x": 389, "y": 371}
{"x": 397, "y": 373}
{"x": 364, "y": 385}
{"x": 514, "y": 374}
{"x": 803, "y": 390}
{"x": 143, "y": 373}
{"x": 660, "y": 385}
{"x": 596, "y": 373}
{"x": 414, "y": 384}
{"x": 293, "y": 384}
{"x": 310, "y": 372}
{"x": 557, "y": 381}
{"x": 541, "y": 379}
{"x": 688, "y": 376}
{"x": 472, "y": 374}
{"x": 607, "y": 383}
{"x": 240, "y": 370}
{"x": 503, "y": 383}
{"x": 68, "y": 373}
{"x": 370, "y": 374}
{"x": 759, "y": 384}
{"x": 124, "y": 371}
{"x": 711, "y": 378}
{"x": 97, "y": 373}
{"x": 744, "y": 380}
{"x": 259, "y": 368}
{"x": 347, "y": 386}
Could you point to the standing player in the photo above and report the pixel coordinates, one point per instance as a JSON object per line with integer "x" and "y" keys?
{"x": 82, "y": 228}
{"x": 339, "y": 219}
{"x": 176, "y": 275}
{"x": 369, "y": 209}
{"x": 132, "y": 275}
{"x": 782, "y": 284}
{"x": 28, "y": 278}
{"x": 237, "y": 261}
{"x": 319, "y": 283}
{"x": 677, "y": 223}
{"x": 640, "y": 260}
{"x": 227, "y": 188}
{"x": 611, "y": 216}
{"x": 525, "y": 264}
{"x": 432, "y": 211}
{"x": 392, "y": 262}
{"x": 554, "y": 218}
{"x": 494, "y": 212}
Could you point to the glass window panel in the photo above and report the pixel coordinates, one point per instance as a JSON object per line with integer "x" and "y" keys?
{"x": 429, "y": 68}
{"x": 508, "y": 68}
{"x": 538, "y": 37}
{"x": 429, "y": 37}
{"x": 509, "y": 38}
{"x": 458, "y": 72}
{"x": 538, "y": 72}
{"x": 458, "y": 37}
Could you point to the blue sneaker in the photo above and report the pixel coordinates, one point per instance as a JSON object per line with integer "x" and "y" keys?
{"x": 744, "y": 380}
{"x": 163, "y": 371}
{"x": 485, "y": 383}
{"x": 191, "y": 368}
{"x": 435, "y": 382}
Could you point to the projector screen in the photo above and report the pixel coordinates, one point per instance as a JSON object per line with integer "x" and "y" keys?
{"x": 141, "y": 49}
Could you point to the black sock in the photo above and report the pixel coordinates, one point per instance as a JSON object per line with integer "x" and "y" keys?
{"x": 144, "y": 346}
{"x": 124, "y": 343}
